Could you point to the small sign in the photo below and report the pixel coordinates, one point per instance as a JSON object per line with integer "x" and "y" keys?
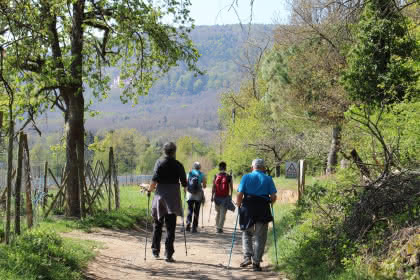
{"x": 291, "y": 170}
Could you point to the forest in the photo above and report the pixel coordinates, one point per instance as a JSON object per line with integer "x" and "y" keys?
{"x": 338, "y": 86}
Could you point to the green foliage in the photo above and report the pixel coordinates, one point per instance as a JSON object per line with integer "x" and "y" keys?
{"x": 381, "y": 62}
{"x": 191, "y": 149}
{"x": 132, "y": 151}
{"x": 41, "y": 254}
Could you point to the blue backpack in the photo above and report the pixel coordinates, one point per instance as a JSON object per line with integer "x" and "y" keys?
{"x": 194, "y": 185}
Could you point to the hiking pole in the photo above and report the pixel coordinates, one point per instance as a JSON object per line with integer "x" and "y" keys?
{"x": 183, "y": 227}
{"x": 211, "y": 205}
{"x": 202, "y": 216}
{"x": 233, "y": 238}
{"x": 147, "y": 217}
{"x": 274, "y": 234}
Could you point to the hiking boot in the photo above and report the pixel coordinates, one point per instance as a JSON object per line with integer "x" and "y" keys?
{"x": 188, "y": 228}
{"x": 219, "y": 230}
{"x": 256, "y": 267}
{"x": 246, "y": 262}
{"x": 194, "y": 230}
{"x": 156, "y": 255}
{"x": 169, "y": 259}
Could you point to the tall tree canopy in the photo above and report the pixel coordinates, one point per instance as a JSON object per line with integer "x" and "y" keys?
{"x": 380, "y": 67}
{"x": 63, "y": 47}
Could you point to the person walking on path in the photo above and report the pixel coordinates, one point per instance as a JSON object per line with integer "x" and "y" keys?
{"x": 255, "y": 193}
{"x": 166, "y": 206}
{"x": 195, "y": 196}
{"x": 222, "y": 195}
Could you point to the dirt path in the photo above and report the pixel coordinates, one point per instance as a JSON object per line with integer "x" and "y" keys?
{"x": 123, "y": 255}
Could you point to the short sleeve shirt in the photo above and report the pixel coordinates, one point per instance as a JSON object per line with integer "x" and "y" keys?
{"x": 257, "y": 183}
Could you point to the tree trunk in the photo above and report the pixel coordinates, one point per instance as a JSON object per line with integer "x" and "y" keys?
{"x": 335, "y": 146}
{"x": 74, "y": 127}
{"x": 74, "y": 116}
{"x": 28, "y": 185}
{"x": 18, "y": 184}
{"x": 9, "y": 175}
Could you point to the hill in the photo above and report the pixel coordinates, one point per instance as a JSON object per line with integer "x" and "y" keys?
{"x": 179, "y": 103}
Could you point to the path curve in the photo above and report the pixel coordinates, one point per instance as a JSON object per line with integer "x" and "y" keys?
{"x": 122, "y": 256}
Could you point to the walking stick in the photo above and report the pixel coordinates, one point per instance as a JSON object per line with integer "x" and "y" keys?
{"x": 183, "y": 227}
{"x": 211, "y": 205}
{"x": 202, "y": 216}
{"x": 233, "y": 238}
{"x": 147, "y": 217}
{"x": 274, "y": 234}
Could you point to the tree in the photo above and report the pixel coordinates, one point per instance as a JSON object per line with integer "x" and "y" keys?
{"x": 380, "y": 69}
{"x": 62, "y": 47}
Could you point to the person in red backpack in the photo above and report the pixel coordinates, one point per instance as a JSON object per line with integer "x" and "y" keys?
{"x": 222, "y": 195}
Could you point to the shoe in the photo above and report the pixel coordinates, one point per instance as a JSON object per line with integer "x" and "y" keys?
{"x": 188, "y": 228}
{"x": 219, "y": 230}
{"x": 194, "y": 230}
{"x": 256, "y": 267}
{"x": 169, "y": 260}
{"x": 156, "y": 255}
{"x": 246, "y": 262}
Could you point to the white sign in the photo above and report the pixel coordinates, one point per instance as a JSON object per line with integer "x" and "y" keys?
{"x": 291, "y": 169}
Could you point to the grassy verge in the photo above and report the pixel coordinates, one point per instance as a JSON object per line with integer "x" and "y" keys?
{"x": 42, "y": 253}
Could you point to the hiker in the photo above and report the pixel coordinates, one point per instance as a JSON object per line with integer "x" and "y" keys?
{"x": 255, "y": 193}
{"x": 222, "y": 195}
{"x": 166, "y": 205}
{"x": 195, "y": 196}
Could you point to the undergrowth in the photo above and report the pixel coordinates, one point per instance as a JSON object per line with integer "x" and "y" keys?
{"x": 43, "y": 254}
{"x": 315, "y": 239}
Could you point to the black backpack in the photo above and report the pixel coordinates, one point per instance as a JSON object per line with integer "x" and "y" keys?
{"x": 193, "y": 183}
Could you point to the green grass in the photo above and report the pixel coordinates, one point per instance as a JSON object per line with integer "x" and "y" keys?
{"x": 42, "y": 254}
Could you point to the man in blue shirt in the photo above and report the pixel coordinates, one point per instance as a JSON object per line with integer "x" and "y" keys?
{"x": 255, "y": 193}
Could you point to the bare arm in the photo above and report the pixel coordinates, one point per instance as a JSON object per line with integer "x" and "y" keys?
{"x": 239, "y": 198}
{"x": 273, "y": 197}
{"x": 152, "y": 186}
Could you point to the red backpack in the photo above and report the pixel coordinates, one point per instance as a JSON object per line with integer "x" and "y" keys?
{"x": 222, "y": 185}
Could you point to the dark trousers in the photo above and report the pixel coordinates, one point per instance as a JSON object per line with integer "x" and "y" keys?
{"x": 193, "y": 209}
{"x": 170, "y": 222}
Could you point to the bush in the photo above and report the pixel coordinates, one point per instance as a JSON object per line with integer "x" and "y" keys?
{"x": 41, "y": 254}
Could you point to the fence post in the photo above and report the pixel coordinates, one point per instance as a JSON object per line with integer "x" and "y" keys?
{"x": 109, "y": 178}
{"x": 115, "y": 178}
{"x": 45, "y": 200}
{"x": 28, "y": 185}
{"x": 18, "y": 184}
{"x": 301, "y": 179}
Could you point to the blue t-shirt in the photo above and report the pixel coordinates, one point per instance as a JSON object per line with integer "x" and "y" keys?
{"x": 257, "y": 183}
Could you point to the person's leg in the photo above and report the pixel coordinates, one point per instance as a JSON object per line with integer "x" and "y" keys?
{"x": 247, "y": 246}
{"x": 223, "y": 211}
{"x": 260, "y": 240}
{"x": 190, "y": 214}
{"x": 170, "y": 222}
{"x": 197, "y": 205}
{"x": 217, "y": 207}
{"x": 157, "y": 235}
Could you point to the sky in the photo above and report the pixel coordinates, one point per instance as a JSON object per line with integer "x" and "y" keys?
{"x": 212, "y": 12}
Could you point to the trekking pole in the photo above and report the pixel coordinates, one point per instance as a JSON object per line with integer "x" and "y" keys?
{"x": 274, "y": 234}
{"x": 202, "y": 216}
{"x": 183, "y": 227}
{"x": 233, "y": 238}
{"x": 147, "y": 222}
{"x": 211, "y": 205}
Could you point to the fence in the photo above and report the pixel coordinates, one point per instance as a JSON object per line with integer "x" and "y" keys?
{"x": 124, "y": 180}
